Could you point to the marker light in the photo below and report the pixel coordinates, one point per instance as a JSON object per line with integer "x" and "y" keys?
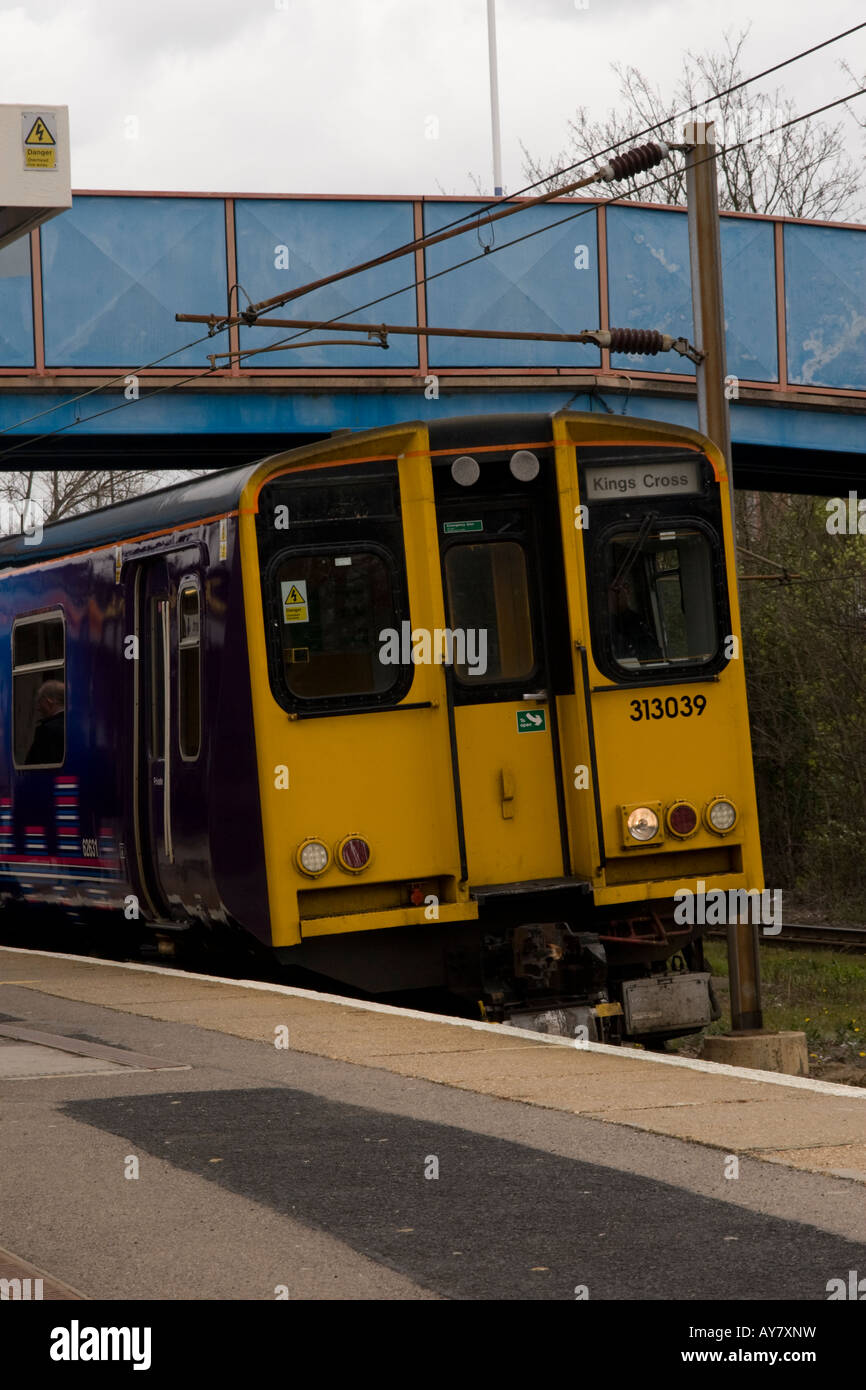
{"x": 643, "y": 824}
{"x": 720, "y": 815}
{"x": 353, "y": 854}
{"x": 524, "y": 466}
{"x": 465, "y": 470}
{"x": 682, "y": 819}
{"x": 313, "y": 857}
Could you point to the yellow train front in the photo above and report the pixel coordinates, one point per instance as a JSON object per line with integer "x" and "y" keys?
{"x": 500, "y": 714}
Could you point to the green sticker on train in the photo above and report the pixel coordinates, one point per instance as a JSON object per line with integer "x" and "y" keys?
{"x": 450, "y": 527}
{"x": 531, "y": 721}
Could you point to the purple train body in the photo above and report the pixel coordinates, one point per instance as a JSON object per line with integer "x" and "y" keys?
{"x": 86, "y": 837}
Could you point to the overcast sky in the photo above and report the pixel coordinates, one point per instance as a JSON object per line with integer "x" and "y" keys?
{"x": 337, "y": 96}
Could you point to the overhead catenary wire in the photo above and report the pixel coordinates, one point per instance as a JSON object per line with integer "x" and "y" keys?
{"x": 648, "y": 130}
{"x": 200, "y": 374}
{"x": 668, "y": 120}
{"x": 448, "y": 230}
{"x": 538, "y": 231}
{"x": 623, "y": 166}
{"x": 616, "y": 339}
{"x": 106, "y": 385}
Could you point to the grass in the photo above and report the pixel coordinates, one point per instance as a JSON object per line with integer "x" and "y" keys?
{"x": 814, "y": 992}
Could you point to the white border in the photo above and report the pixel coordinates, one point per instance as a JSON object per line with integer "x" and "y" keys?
{"x": 772, "y": 1078}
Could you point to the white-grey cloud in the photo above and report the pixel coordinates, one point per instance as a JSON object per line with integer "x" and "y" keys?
{"x": 338, "y": 95}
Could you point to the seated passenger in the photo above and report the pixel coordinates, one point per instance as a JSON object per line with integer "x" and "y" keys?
{"x": 49, "y": 739}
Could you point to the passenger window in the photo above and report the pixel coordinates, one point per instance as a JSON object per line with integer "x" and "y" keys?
{"x": 333, "y": 608}
{"x": 488, "y": 606}
{"x": 189, "y": 672}
{"x": 38, "y": 692}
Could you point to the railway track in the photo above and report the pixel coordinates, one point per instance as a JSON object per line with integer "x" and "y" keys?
{"x": 825, "y": 936}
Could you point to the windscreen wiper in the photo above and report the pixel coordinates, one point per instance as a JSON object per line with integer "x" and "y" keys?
{"x": 628, "y": 563}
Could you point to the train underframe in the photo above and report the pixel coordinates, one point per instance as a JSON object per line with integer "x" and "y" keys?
{"x": 631, "y": 980}
{"x": 611, "y": 977}
{"x": 552, "y": 964}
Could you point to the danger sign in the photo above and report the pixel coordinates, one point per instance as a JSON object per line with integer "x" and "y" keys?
{"x": 39, "y": 137}
{"x": 294, "y": 596}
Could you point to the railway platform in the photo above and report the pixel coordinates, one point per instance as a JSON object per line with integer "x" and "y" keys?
{"x": 172, "y": 1136}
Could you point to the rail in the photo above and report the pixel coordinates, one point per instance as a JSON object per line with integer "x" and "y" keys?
{"x": 810, "y": 934}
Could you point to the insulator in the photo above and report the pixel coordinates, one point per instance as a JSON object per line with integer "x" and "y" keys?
{"x": 645, "y": 340}
{"x": 636, "y": 161}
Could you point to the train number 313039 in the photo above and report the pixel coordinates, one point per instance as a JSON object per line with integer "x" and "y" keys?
{"x": 673, "y": 707}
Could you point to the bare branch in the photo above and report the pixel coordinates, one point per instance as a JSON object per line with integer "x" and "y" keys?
{"x": 63, "y": 493}
{"x": 804, "y": 171}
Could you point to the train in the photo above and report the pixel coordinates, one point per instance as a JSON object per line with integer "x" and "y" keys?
{"x": 452, "y": 705}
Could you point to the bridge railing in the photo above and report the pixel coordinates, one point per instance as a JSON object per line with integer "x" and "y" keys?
{"x": 95, "y": 291}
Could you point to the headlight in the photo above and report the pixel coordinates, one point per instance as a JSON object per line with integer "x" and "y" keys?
{"x": 524, "y": 465}
{"x": 465, "y": 470}
{"x": 643, "y": 824}
{"x": 313, "y": 857}
{"x": 353, "y": 854}
{"x": 720, "y": 815}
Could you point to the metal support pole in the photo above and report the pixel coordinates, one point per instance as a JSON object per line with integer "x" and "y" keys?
{"x": 708, "y": 310}
{"x": 705, "y": 258}
{"x": 744, "y": 973}
{"x": 494, "y": 99}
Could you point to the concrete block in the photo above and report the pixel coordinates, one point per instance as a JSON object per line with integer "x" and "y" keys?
{"x": 784, "y": 1052}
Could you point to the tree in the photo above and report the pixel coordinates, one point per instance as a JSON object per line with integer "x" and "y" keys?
{"x": 803, "y": 644}
{"x": 54, "y": 494}
{"x": 849, "y": 72}
{"x": 802, "y": 589}
{"x": 804, "y": 171}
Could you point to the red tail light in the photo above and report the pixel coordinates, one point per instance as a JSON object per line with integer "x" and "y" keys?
{"x": 682, "y": 819}
{"x": 353, "y": 854}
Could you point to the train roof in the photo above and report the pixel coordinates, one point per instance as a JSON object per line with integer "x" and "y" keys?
{"x": 462, "y": 431}
{"x": 214, "y": 494}
{"x": 175, "y": 505}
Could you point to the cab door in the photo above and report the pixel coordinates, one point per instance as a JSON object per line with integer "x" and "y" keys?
{"x": 502, "y": 700}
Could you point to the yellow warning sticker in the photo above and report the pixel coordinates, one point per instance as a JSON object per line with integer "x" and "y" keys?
{"x": 39, "y": 131}
{"x": 294, "y": 596}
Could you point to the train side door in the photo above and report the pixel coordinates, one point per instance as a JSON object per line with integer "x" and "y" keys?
{"x": 502, "y": 696}
{"x": 153, "y": 732}
{"x": 169, "y": 797}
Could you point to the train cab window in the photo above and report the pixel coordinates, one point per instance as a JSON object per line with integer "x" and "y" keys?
{"x": 333, "y": 608}
{"x": 39, "y": 691}
{"x": 660, "y": 598}
{"x": 488, "y": 602}
{"x": 189, "y": 671}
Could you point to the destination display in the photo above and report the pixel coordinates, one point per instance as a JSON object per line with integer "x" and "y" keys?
{"x": 641, "y": 480}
